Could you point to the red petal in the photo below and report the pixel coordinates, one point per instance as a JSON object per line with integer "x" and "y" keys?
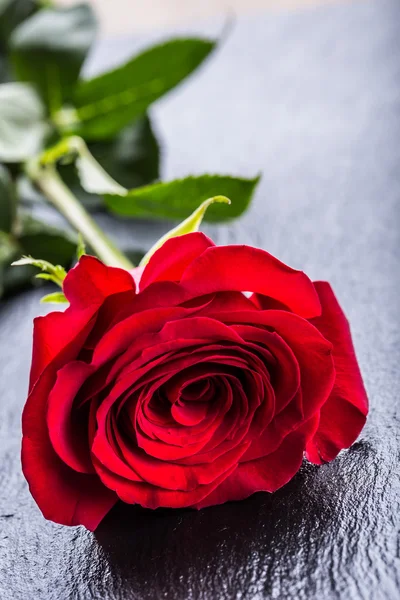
{"x": 86, "y": 286}
{"x": 314, "y": 356}
{"x": 344, "y": 414}
{"x": 266, "y": 474}
{"x": 312, "y": 351}
{"x": 178, "y": 477}
{"x": 174, "y": 256}
{"x": 227, "y": 301}
{"x": 266, "y": 302}
{"x": 246, "y": 269}
{"x": 91, "y": 281}
{"x": 62, "y": 495}
{"x": 282, "y": 362}
{"x": 150, "y": 496}
{"x": 69, "y": 439}
{"x": 65, "y": 497}
{"x": 52, "y": 333}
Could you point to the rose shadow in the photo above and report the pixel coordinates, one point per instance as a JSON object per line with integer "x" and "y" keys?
{"x": 256, "y": 544}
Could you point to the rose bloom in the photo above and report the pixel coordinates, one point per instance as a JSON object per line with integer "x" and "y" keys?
{"x": 201, "y": 379}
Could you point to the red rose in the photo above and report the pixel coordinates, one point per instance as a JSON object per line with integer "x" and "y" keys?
{"x": 186, "y": 391}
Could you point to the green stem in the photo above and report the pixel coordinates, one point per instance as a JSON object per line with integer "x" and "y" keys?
{"x": 57, "y": 193}
{"x": 46, "y": 3}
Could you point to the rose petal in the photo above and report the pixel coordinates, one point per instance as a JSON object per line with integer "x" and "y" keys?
{"x": 150, "y": 496}
{"x": 123, "y": 334}
{"x": 224, "y": 301}
{"x": 282, "y": 363}
{"x": 65, "y": 497}
{"x": 344, "y": 414}
{"x": 246, "y": 269}
{"x": 91, "y": 281}
{"x": 312, "y": 351}
{"x": 174, "y": 256}
{"x": 67, "y": 435}
{"x": 266, "y": 474}
{"x": 55, "y": 331}
{"x": 266, "y": 302}
{"x": 172, "y": 476}
{"x": 62, "y": 495}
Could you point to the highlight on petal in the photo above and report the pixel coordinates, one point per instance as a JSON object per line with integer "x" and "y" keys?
{"x": 246, "y": 269}
{"x": 344, "y": 414}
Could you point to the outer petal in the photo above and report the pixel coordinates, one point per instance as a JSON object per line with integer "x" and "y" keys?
{"x": 86, "y": 287}
{"x": 174, "y": 256}
{"x": 246, "y": 269}
{"x": 52, "y": 333}
{"x": 344, "y": 414}
{"x": 69, "y": 436}
{"x": 266, "y": 474}
{"x": 91, "y": 281}
{"x": 150, "y": 496}
{"x": 62, "y": 495}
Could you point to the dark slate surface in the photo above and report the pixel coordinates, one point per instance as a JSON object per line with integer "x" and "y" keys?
{"x": 313, "y": 100}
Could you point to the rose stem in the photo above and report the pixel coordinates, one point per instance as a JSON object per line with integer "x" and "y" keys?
{"x": 57, "y": 193}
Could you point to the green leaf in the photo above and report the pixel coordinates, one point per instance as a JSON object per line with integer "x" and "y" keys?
{"x": 175, "y": 199}
{"x": 55, "y": 298}
{"x": 22, "y": 126}
{"x": 189, "y": 225}
{"x": 7, "y": 200}
{"x": 93, "y": 178}
{"x": 108, "y": 103}
{"x": 132, "y": 158}
{"x": 54, "y": 273}
{"x": 49, "y": 49}
{"x": 12, "y": 13}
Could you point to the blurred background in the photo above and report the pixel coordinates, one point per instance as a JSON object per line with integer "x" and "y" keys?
{"x": 126, "y": 16}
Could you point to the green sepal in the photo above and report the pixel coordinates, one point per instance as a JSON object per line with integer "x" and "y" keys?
{"x": 81, "y": 247}
{"x": 54, "y": 273}
{"x": 55, "y": 298}
{"x": 189, "y": 225}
